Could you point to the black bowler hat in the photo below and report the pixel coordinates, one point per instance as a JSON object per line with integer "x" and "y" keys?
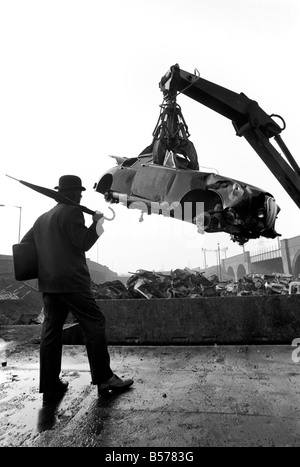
{"x": 69, "y": 183}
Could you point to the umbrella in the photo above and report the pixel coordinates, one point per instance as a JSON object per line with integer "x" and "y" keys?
{"x": 59, "y": 197}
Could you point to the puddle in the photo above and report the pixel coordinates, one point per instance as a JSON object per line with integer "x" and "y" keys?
{"x": 22, "y": 413}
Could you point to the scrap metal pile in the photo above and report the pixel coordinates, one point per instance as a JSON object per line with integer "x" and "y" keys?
{"x": 265, "y": 284}
{"x": 188, "y": 283}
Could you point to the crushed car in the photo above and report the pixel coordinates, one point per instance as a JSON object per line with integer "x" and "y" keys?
{"x": 212, "y": 202}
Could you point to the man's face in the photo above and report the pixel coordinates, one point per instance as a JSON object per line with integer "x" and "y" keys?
{"x": 78, "y": 197}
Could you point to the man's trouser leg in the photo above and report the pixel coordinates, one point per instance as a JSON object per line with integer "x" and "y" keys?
{"x": 92, "y": 323}
{"x": 55, "y": 315}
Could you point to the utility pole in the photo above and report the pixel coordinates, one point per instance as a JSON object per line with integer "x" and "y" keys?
{"x": 218, "y": 257}
{"x": 204, "y": 252}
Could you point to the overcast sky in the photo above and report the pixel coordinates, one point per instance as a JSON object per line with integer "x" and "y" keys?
{"x": 79, "y": 82}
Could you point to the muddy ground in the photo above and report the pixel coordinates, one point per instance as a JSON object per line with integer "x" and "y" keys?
{"x": 183, "y": 396}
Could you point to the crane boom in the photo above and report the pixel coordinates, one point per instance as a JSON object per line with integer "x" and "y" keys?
{"x": 248, "y": 119}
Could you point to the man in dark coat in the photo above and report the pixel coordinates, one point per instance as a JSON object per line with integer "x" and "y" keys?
{"x": 61, "y": 239}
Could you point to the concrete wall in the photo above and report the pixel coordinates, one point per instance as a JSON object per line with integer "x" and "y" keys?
{"x": 296, "y": 265}
{"x": 290, "y": 249}
{"x": 286, "y": 260}
{"x": 220, "y": 320}
{"x": 270, "y": 266}
{"x": 294, "y": 251}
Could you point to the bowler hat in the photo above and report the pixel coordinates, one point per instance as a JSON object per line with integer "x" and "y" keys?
{"x": 69, "y": 183}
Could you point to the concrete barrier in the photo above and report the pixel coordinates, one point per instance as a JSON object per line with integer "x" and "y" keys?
{"x": 213, "y": 320}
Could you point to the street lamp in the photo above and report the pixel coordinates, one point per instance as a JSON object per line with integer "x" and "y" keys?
{"x": 20, "y": 216}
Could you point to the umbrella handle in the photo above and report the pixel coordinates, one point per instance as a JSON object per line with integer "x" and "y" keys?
{"x": 111, "y": 218}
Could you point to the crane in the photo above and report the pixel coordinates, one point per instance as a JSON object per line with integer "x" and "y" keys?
{"x": 248, "y": 120}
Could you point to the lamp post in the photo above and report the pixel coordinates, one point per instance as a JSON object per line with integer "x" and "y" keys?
{"x": 20, "y": 216}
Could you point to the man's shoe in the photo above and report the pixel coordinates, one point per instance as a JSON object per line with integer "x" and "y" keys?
{"x": 114, "y": 383}
{"x": 56, "y": 394}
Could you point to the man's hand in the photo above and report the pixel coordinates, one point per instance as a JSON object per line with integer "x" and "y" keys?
{"x": 98, "y": 216}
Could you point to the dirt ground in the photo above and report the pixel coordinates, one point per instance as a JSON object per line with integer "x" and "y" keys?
{"x": 183, "y": 396}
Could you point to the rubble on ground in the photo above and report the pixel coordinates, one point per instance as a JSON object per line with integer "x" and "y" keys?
{"x": 110, "y": 290}
{"x": 20, "y": 303}
{"x": 188, "y": 283}
{"x": 265, "y": 284}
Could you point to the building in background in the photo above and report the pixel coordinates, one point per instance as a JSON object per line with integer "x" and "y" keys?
{"x": 282, "y": 259}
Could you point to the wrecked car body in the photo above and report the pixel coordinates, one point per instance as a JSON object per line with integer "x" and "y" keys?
{"x": 213, "y": 203}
